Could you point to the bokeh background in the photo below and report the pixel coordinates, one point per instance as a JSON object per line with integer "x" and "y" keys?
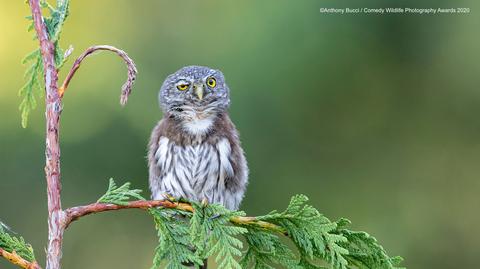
{"x": 375, "y": 118}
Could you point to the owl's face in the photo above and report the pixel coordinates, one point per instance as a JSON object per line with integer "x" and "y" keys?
{"x": 193, "y": 90}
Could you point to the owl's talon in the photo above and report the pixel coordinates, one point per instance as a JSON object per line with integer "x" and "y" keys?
{"x": 204, "y": 202}
{"x": 169, "y": 198}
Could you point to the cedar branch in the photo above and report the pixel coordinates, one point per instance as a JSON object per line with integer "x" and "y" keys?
{"x": 74, "y": 213}
{"x": 14, "y": 258}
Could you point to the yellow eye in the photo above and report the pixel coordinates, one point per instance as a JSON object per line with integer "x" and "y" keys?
{"x": 182, "y": 87}
{"x": 211, "y": 82}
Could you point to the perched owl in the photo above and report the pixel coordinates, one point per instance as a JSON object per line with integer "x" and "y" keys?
{"x": 194, "y": 151}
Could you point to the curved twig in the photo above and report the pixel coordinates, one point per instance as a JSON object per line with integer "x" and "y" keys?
{"x": 14, "y": 258}
{"x": 132, "y": 70}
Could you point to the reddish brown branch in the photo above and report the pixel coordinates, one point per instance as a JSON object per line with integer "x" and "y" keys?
{"x": 132, "y": 70}
{"x": 14, "y": 258}
{"x": 52, "y": 150}
{"x": 74, "y": 213}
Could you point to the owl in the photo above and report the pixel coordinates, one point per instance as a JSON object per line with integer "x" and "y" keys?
{"x": 194, "y": 150}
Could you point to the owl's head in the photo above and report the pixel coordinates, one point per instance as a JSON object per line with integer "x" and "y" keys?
{"x": 194, "y": 89}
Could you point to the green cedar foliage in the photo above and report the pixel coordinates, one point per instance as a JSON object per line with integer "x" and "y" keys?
{"x": 190, "y": 238}
{"x": 12, "y": 244}
{"x": 119, "y": 195}
{"x": 174, "y": 245}
{"x": 34, "y": 73}
{"x": 214, "y": 231}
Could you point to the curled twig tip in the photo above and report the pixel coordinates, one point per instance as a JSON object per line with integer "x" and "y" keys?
{"x": 131, "y": 74}
{"x": 127, "y": 86}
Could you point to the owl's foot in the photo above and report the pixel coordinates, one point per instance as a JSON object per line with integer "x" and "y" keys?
{"x": 169, "y": 198}
{"x": 204, "y": 202}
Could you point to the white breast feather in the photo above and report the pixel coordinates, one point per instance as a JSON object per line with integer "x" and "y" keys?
{"x": 198, "y": 126}
{"x": 224, "y": 149}
{"x": 161, "y": 154}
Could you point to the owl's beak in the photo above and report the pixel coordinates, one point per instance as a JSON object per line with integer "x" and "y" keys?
{"x": 198, "y": 89}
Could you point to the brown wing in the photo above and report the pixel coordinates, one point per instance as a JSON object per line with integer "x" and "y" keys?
{"x": 155, "y": 173}
{"x": 236, "y": 183}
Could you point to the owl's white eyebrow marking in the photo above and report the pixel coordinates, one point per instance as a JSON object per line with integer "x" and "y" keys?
{"x": 182, "y": 81}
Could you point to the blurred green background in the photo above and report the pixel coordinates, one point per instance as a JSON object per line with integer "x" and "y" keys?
{"x": 375, "y": 118}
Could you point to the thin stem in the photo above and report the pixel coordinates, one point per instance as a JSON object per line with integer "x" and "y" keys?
{"x": 259, "y": 223}
{"x": 74, "y": 213}
{"x": 132, "y": 70}
{"x": 14, "y": 258}
{"x": 52, "y": 150}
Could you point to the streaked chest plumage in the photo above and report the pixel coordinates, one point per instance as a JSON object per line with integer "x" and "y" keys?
{"x": 197, "y": 160}
{"x": 197, "y": 171}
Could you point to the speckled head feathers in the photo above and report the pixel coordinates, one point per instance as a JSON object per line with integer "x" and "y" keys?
{"x": 194, "y": 88}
